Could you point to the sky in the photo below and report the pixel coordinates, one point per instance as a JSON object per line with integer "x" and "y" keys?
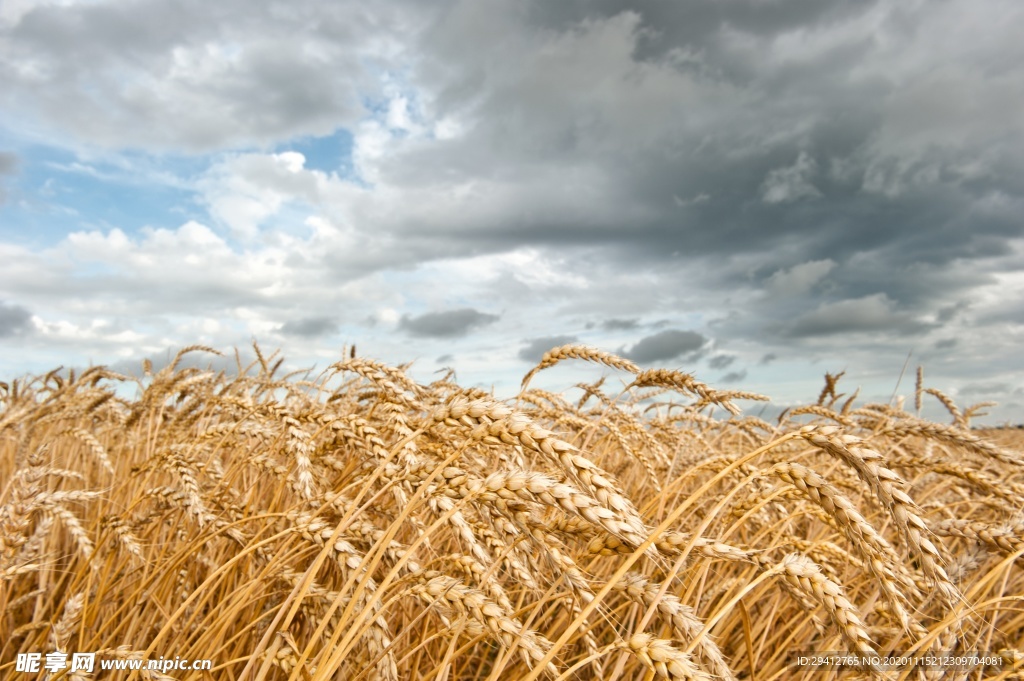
{"x": 752, "y": 191}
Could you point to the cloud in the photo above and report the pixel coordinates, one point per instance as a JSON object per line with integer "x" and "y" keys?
{"x": 799, "y": 279}
{"x": 666, "y": 345}
{"x": 768, "y": 358}
{"x": 8, "y": 167}
{"x": 985, "y": 390}
{"x": 620, "y": 324}
{"x": 535, "y": 349}
{"x": 721, "y": 361}
{"x": 870, "y": 313}
{"x": 194, "y": 76}
{"x": 190, "y": 270}
{"x": 449, "y": 324}
{"x": 15, "y": 320}
{"x": 734, "y": 376}
{"x": 309, "y": 327}
{"x": 792, "y": 183}
{"x": 950, "y": 312}
{"x": 243, "y": 191}
{"x": 781, "y": 175}
{"x": 737, "y": 111}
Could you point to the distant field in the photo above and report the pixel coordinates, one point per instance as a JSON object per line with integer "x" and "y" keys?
{"x": 359, "y": 525}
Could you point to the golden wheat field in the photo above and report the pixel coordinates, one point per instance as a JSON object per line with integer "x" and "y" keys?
{"x": 359, "y": 525}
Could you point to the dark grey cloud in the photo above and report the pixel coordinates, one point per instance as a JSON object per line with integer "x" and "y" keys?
{"x": 535, "y": 348}
{"x": 705, "y": 113}
{"x": 14, "y": 320}
{"x": 309, "y": 327}
{"x": 945, "y": 343}
{"x": 696, "y": 22}
{"x": 950, "y": 312}
{"x": 667, "y": 345}
{"x": 620, "y": 324}
{"x": 768, "y": 358}
{"x": 987, "y": 389}
{"x": 721, "y": 361}
{"x": 449, "y": 324}
{"x": 734, "y": 376}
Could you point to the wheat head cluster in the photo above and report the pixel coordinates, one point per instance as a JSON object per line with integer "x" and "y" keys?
{"x": 357, "y": 524}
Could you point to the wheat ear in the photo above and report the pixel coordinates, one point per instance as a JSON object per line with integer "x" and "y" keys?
{"x": 570, "y": 351}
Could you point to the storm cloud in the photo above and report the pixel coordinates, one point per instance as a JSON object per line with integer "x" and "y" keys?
{"x": 667, "y": 345}
{"x": 449, "y": 324}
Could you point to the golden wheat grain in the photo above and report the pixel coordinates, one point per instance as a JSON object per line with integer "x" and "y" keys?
{"x": 506, "y": 629}
{"x": 1008, "y": 538}
{"x": 889, "y": 488}
{"x": 686, "y": 383}
{"x": 954, "y": 436}
{"x": 358, "y": 524}
{"x": 585, "y": 352}
{"x": 806, "y": 578}
{"x": 686, "y": 625}
{"x": 496, "y": 423}
{"x": 879, "y": 554}
{"x": 664, "y": 659}
{"x": 818, "y": 410}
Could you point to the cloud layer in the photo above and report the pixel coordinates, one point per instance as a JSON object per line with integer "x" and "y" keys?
{"x": 448, "y": 324}
{"x": 768, "y": 189}
{"x": 14, "y": 320}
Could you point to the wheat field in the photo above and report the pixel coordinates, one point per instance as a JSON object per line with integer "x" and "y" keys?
{"x": 359, "y": 525}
